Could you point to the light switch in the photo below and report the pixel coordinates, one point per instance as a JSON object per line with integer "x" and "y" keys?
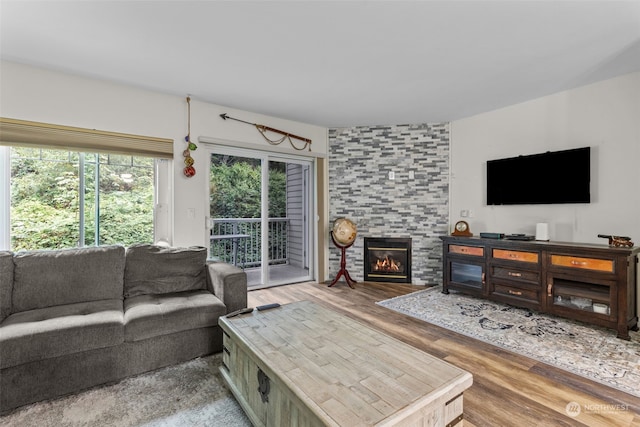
{"x": 392, "y": 175}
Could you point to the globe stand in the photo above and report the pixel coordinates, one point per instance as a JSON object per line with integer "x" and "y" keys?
{"x": 343, "y": 264}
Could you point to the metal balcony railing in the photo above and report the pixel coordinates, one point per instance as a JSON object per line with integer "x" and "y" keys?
{"x": 238, "y": 241}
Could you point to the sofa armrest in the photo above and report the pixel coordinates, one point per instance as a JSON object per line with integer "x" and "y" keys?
{"x": 229, "y": 283}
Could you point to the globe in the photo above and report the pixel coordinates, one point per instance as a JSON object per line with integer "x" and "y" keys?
{"x": 344, "y": 231}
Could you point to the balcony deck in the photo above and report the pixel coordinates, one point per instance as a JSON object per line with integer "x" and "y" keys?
{"x": 238, "y": 241}
{"x": 278, "y": 275}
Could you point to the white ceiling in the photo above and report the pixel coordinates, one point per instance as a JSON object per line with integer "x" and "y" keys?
{"x": 333, "y": 63}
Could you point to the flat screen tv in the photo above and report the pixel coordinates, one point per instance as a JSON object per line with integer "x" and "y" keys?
{"x": 545, "y": 178}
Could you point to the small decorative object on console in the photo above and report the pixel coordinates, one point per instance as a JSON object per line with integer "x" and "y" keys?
{"x": 462, "y": 229}
{"x": 600, "y": 308}
{"x": 618, "y": 241}
{"x": 518, "y": 237}
{"x": 486, "y": 235}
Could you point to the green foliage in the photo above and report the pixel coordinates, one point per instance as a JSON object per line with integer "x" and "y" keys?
{"x": 236, "y": 188}
{"x": 277, "y": 190}
{"x": 37, "y": 225}
{"x": 235, "y": 192}
{"x": 45, "y": 200}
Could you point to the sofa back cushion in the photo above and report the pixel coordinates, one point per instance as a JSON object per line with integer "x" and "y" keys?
{"x": 66, "y": 276}
{"x": 155, "y": 270}
{"x": 6, "y": 283}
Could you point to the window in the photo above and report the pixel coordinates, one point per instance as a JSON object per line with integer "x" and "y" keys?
{"x": 63, "y": 186}
{"x": 62, "y": 198}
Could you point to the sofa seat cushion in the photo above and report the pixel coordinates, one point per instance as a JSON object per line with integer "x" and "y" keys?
{"x": 147, "y": 316}
{"x": 48, "y": 332}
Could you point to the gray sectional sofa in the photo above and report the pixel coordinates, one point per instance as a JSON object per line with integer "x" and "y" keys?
{"x": 71, "y": 319}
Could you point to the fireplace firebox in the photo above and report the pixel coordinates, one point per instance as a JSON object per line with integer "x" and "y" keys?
{"x": 387, "y": 259}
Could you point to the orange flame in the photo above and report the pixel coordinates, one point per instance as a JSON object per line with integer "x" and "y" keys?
{"x": 387, "y": 265}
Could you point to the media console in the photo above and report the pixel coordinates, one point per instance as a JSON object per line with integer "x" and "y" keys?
{"x": 592, "y": 283}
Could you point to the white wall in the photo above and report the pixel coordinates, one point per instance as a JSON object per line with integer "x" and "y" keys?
{"x": 604, "y": 116}
{"x": 31, "y": 93}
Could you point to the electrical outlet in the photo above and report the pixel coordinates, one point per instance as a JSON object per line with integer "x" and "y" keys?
{"x": 464, "y": 213}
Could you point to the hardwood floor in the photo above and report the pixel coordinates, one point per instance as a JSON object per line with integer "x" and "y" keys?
{"x": 508, "y": 389}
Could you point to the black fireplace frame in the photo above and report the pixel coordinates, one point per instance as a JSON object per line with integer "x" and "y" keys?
{"x": 388, "y": 243}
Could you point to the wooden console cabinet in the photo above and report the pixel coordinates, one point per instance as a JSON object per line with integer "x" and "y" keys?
{"x": 597, "y": 284}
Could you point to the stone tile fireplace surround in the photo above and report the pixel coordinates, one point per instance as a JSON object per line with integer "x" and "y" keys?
{"x": 414, "y": 204}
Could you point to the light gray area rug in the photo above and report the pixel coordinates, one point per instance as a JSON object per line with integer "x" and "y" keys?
{"x": 586, "y": 350}
{"x": 189, "y": 394}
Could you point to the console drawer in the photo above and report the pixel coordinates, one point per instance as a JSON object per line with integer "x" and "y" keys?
{"x": 513, "y": 274}
{"x": 597, "y": 264}
{"x": 466, "y": 250}
{"x": 518, "y": 293}
{"x": 515, "y": 255}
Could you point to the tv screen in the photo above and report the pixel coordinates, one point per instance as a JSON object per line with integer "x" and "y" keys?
{"x": 546, "y": 178}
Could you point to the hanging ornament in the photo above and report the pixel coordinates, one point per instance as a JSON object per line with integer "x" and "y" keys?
{"x": 189, "y": 170}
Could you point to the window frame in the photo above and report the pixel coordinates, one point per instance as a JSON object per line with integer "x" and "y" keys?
{"x": 14, "y": 132}
{"x": 88, "y": 171}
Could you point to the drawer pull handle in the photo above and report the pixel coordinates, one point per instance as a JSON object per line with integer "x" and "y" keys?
{"x": 513, "y": 256}
{"x": 514, "y": 292}
{"x": 514, "y": 274}
{"x": 574, "y": 262}
{"x": 264, "y": 386}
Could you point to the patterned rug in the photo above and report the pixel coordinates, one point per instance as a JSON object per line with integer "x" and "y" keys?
{"x": 189, "y": 394}
{"x": 589, "y": 351}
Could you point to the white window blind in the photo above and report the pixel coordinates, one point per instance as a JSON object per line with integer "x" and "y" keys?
{"x": 45, "y": 135}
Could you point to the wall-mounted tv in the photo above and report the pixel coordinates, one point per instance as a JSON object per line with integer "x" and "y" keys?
{"x": 545, "y": 178}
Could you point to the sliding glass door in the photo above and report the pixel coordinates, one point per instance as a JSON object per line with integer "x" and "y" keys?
{"x": 260, "y": 211}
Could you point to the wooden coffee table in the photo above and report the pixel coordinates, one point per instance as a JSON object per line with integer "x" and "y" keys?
{"x": 305, "y": 365}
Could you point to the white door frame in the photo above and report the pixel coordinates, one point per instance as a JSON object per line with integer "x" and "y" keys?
{"x": 309, "y": 164}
